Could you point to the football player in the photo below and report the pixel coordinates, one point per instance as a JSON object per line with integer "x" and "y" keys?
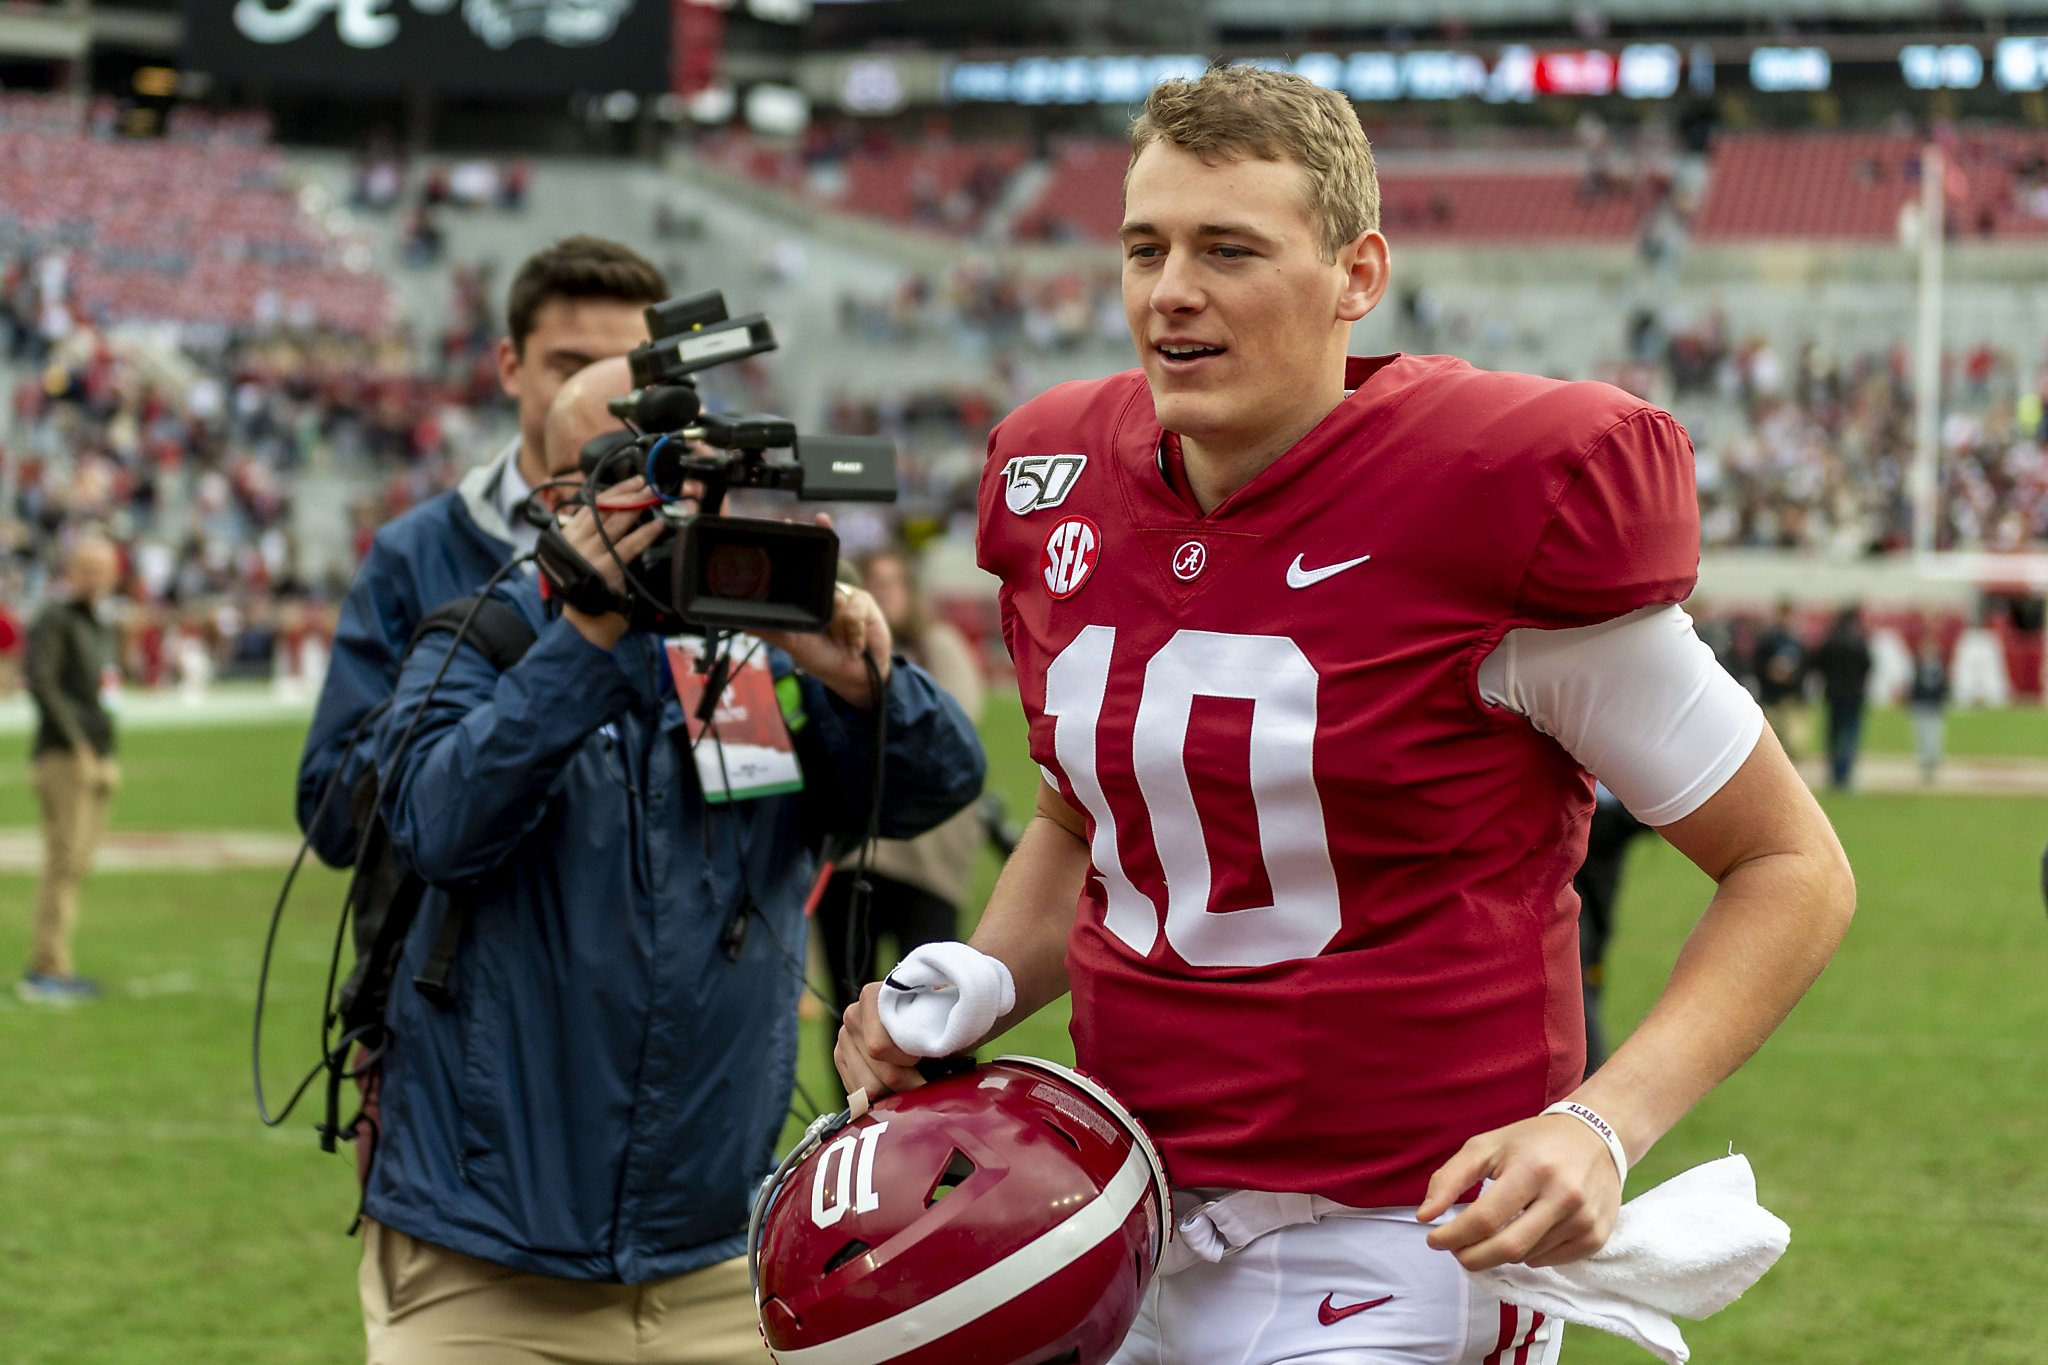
{"x": 1320, "y": 654}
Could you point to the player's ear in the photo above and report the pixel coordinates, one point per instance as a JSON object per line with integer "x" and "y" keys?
{"x": 1365, "y": 263}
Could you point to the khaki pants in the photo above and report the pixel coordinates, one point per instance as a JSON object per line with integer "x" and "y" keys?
{"x": 73, "y": 791}
{"x": 1789, "y": 721}
{"x": 426, "y": 1305}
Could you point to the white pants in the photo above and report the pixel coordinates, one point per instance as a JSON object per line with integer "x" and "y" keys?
{"x": 1360, "y": 1288}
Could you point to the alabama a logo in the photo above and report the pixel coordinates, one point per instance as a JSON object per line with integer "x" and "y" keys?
{"x": 1070, "y": 553}
{"x": 1036, "y": 481}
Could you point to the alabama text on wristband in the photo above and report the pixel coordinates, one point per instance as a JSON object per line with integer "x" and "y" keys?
{"x": 1600, "y": 1126}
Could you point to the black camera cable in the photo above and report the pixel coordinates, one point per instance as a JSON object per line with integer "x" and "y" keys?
{"x": 589, "y": 496}
{"x": 860, "y": 938}
{"x": 734, "y": 937}
{"x": 276, "y": 918}
{"x": 335, "y": 1053}
{"x": 718, "y": 667}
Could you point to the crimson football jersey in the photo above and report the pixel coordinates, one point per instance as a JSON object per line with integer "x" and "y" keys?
{"x": 1328, "y": 931}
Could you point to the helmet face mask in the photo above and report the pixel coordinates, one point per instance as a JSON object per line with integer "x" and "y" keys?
{"x": 1015, "y": 1213}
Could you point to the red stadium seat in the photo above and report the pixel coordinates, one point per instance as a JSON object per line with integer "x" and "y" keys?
{"x": 197, "y": 227}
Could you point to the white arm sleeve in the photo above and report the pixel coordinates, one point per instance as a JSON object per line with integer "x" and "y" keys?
{"x": 1639, "y": 701}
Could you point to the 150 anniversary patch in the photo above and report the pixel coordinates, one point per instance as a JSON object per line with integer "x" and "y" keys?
{"x": 1038, "y": 481}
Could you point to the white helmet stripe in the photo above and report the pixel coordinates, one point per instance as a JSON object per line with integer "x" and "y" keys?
{"x": 975, "y": 1297}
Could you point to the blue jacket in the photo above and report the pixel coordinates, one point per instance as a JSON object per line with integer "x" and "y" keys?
{"x": 447, "y": 547}
{"x": 608, "y": 1085}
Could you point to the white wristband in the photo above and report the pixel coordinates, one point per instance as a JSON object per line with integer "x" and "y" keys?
{"x": 1600, "y": 1126}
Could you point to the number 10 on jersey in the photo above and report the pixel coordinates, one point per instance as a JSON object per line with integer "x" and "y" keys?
{"x": 1273, "y": 674}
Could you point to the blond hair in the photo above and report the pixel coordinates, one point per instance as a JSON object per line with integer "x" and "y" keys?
{"x": 1237, "y": 111}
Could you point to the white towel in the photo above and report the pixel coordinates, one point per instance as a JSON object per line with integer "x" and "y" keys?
{"x": 1688, "y": 1248}
{"x": 944, "y": 998}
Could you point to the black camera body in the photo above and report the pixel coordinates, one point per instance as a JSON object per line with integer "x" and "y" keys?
{"x": 717, "y": 572}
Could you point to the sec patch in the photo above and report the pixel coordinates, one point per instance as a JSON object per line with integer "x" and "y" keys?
{"x": 1070, "y": 554}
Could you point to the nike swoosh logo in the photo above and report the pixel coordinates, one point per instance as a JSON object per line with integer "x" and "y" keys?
{"x": 1330, "y": 1315}
{"x": 1298, "y": 577}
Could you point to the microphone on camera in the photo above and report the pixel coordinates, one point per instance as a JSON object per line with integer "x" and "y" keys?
{"x": 663, "y": 407}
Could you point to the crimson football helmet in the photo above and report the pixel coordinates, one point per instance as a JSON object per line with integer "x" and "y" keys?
{"x": 1009, "y": 1215}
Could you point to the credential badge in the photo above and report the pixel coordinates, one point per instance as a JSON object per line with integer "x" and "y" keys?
{"x": 1037, "y": 481}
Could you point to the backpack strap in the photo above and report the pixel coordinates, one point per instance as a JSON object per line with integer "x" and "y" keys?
{"x": 432, "y": 981}
{"x": 496, "y": 628}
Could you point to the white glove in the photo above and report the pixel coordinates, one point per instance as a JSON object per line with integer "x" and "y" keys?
{"x": 944, "y": 998}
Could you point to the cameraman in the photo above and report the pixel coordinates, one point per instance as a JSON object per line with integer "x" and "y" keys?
{"x": 575, "y": 302}
{"x": 570, "y": 1145}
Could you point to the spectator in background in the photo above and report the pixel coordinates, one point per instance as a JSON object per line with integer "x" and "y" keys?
{"x": 10, "y": 650}
{"x": 1598, "y": 882}
{"x": 918, "y": 884}
{"x": 513, "y": 183}
{"x": 1779, "y": 663}
{"x": 1927, "y": 700}
{"x": 424, "y": 240}
{"x": 70, "y": 652}
{"x": 1843, "y": 662}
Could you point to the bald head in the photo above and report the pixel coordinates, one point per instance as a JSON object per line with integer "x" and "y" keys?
{"x": 578, "y": 415}
{"x": 92, "y": 567}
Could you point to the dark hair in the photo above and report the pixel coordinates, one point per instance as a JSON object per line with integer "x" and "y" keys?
{"x": 579, "y": 267}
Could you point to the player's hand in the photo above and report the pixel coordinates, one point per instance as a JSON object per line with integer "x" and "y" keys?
{"x": 834, "y": 657}
{"x": 867, "y": 1057}
{"x": 1554, "y": 1197}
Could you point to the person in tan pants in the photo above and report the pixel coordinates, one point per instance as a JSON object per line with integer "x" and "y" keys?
{"x": 73, "y": 767}
{"x": 427, "y": 1305}
{"x": 571, "y": 1133}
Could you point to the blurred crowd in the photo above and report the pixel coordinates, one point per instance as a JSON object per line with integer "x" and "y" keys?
{"x": 989, "y": 309}
{"x": 1813, "y": 450}
{"x": 384, "y": 181}
{"x": 192, "y": 458}
{"x": 192, "y": 472}
{"x": 1808, "y": 450}
{"x": 925, "y": 178}
{"x": 198, "y": 228}
{"x": 192, "y": 443}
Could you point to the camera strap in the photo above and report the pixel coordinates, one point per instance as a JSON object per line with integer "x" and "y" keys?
{"x": 568, "y": 576}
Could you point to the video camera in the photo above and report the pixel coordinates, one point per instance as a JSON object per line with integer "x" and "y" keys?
{"x": 716, "y": 572}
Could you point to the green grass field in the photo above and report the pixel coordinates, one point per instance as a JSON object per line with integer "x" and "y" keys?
{"x": 1899, "y": 1122}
